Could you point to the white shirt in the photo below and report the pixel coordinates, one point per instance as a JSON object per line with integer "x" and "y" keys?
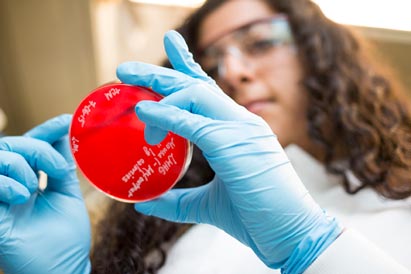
{"x": 386, "y": 223}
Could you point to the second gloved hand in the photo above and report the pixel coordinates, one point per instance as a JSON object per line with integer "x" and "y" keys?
{"x": 42, "y": 231}
{"x": 256, "y": 196}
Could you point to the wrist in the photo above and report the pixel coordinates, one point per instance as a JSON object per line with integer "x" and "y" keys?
{"x": 327, "y": 230}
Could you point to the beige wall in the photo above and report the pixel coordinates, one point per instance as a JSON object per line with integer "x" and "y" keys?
{"x": 394, "y": 48}
{"x": 53, "y": 52}
{"x": 125, "y": 31}
{"x": 46, "y": 63}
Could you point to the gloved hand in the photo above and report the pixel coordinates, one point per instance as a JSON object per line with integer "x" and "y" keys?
{"x": 42, "y": 231}
{"x": 256, "y": 196}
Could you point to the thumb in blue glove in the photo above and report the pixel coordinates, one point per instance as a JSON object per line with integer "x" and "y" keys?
{"x": 256, "y": 196}
{"x": 19, "y": 157}
{"x": 49, "y": 231}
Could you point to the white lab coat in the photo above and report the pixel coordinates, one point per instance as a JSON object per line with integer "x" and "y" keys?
{"x": 384, "y": 223}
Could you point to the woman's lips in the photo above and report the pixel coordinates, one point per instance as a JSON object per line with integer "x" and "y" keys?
{"x": 258, "y": 106}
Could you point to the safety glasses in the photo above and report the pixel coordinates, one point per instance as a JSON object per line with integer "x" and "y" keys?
{"x": 249, "y": 43}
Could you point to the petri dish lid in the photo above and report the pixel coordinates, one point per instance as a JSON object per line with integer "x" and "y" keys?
{"x": 108, "y": 146}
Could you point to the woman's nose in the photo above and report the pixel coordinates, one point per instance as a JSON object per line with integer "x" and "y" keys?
{"x": 233, "y": 67}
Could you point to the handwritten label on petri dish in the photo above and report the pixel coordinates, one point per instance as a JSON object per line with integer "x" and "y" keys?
{"x": 108, "y": 145}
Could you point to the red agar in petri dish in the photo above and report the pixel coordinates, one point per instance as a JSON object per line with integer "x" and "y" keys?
{"x": 108, "y": 145}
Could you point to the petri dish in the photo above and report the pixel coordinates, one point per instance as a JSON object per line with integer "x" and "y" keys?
{"x": 108, "y": 146}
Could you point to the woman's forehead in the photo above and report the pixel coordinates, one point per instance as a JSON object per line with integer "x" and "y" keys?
{"x": 229, "y": 16}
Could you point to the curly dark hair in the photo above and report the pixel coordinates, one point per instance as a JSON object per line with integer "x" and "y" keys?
{"x": 357, "y": 112}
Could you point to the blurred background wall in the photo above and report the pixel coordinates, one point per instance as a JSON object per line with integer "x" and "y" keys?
{"x": 54, "y": 52}
{"x": 47, "y": 60}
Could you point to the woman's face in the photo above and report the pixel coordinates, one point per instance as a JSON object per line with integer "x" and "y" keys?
{"x": 262, "y": 77}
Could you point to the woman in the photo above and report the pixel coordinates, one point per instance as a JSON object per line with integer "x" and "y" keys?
{"x": 313, "y": 83}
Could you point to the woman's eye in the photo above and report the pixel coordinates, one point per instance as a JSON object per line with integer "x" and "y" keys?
{"x": 262, "y": 46}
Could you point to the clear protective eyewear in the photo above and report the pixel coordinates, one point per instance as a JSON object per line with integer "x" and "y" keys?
{"x": 248, "y": 43}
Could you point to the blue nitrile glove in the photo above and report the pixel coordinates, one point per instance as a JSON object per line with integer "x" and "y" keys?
{"x": 256, "y": 196}
{"x": 42, "y": 231}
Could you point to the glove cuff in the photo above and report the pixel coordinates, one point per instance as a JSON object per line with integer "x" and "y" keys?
{"x": 318, "y": 240}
